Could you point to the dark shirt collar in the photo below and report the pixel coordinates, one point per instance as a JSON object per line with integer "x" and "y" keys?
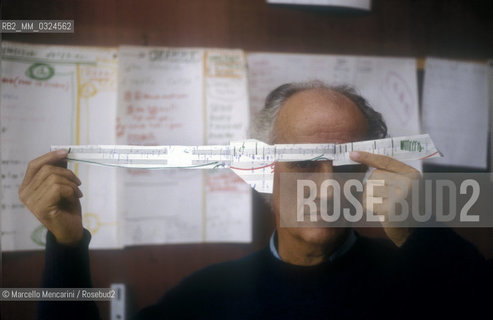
{"x": 344, "y": 248}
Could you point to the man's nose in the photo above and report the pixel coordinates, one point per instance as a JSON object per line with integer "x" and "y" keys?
{"x": 324, "y": 170}
{"x": 325, "y": 167}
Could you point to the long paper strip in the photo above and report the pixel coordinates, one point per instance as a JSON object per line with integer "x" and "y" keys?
{"x": 252, "y": 160}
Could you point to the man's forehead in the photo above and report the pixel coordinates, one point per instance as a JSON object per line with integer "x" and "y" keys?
{"x": 320, "y": 116}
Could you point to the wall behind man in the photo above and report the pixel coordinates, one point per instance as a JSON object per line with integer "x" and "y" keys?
{"x": 447, "y": 28}
{"x": 458, "y": 29}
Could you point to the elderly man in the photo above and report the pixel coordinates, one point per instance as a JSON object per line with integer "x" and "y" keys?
{"x": 307, "y": 273}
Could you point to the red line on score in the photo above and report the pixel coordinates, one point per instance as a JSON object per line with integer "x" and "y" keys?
{"x": 429, "y": 156}
{"x": 246, "y": 169}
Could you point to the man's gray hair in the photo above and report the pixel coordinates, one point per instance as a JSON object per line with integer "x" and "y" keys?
{"x": 263, "y": 125}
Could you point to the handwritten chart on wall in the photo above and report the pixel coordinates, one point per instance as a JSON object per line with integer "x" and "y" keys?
{"x": 389, "y": 84}
{"x": 73, "y": 95}
{"x": 185, "y": 96}
{"x": 55, "y": 94}
{"x": 228, "y": 198}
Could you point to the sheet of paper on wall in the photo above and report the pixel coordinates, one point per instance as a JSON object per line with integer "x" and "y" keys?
{"x": 55, "y": 94}
{"x": 358, "y": 4}
{"x": 389, "y": 84}
{"x": 182, "y": 96}
{"x": 455, "y": 110}
{"x": 228, "y": 208}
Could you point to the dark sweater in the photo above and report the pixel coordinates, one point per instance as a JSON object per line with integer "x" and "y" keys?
{"x": 434, "y": 273}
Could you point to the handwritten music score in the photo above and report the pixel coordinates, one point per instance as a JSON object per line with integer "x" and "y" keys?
{"x": 56, "y": 95}
{"x": 251, "y": 160}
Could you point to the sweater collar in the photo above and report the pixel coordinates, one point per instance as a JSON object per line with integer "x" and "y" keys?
{"x": 343, "y": 249}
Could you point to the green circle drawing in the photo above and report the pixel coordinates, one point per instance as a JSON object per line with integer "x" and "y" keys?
{"x": 40, "y": 71}
{"x": 38, "y": 236}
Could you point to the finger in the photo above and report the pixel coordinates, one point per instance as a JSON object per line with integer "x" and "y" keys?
{"x": 36, "y": 164}
{"x": 379, "y": 191}
{"x": 389, "y": 193}
{"x": 376, "y": 205}
{"x": 395, "y": 185}
{"x": 55, "y": 179}
{"x": 49, "y": 172}
{"x": 48, "y": 204}
{"x": 34, "y": 199}
{"x": 381, "y": 162}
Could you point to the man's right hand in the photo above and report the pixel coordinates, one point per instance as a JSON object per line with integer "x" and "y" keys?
{"x": 52, "y": 194}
